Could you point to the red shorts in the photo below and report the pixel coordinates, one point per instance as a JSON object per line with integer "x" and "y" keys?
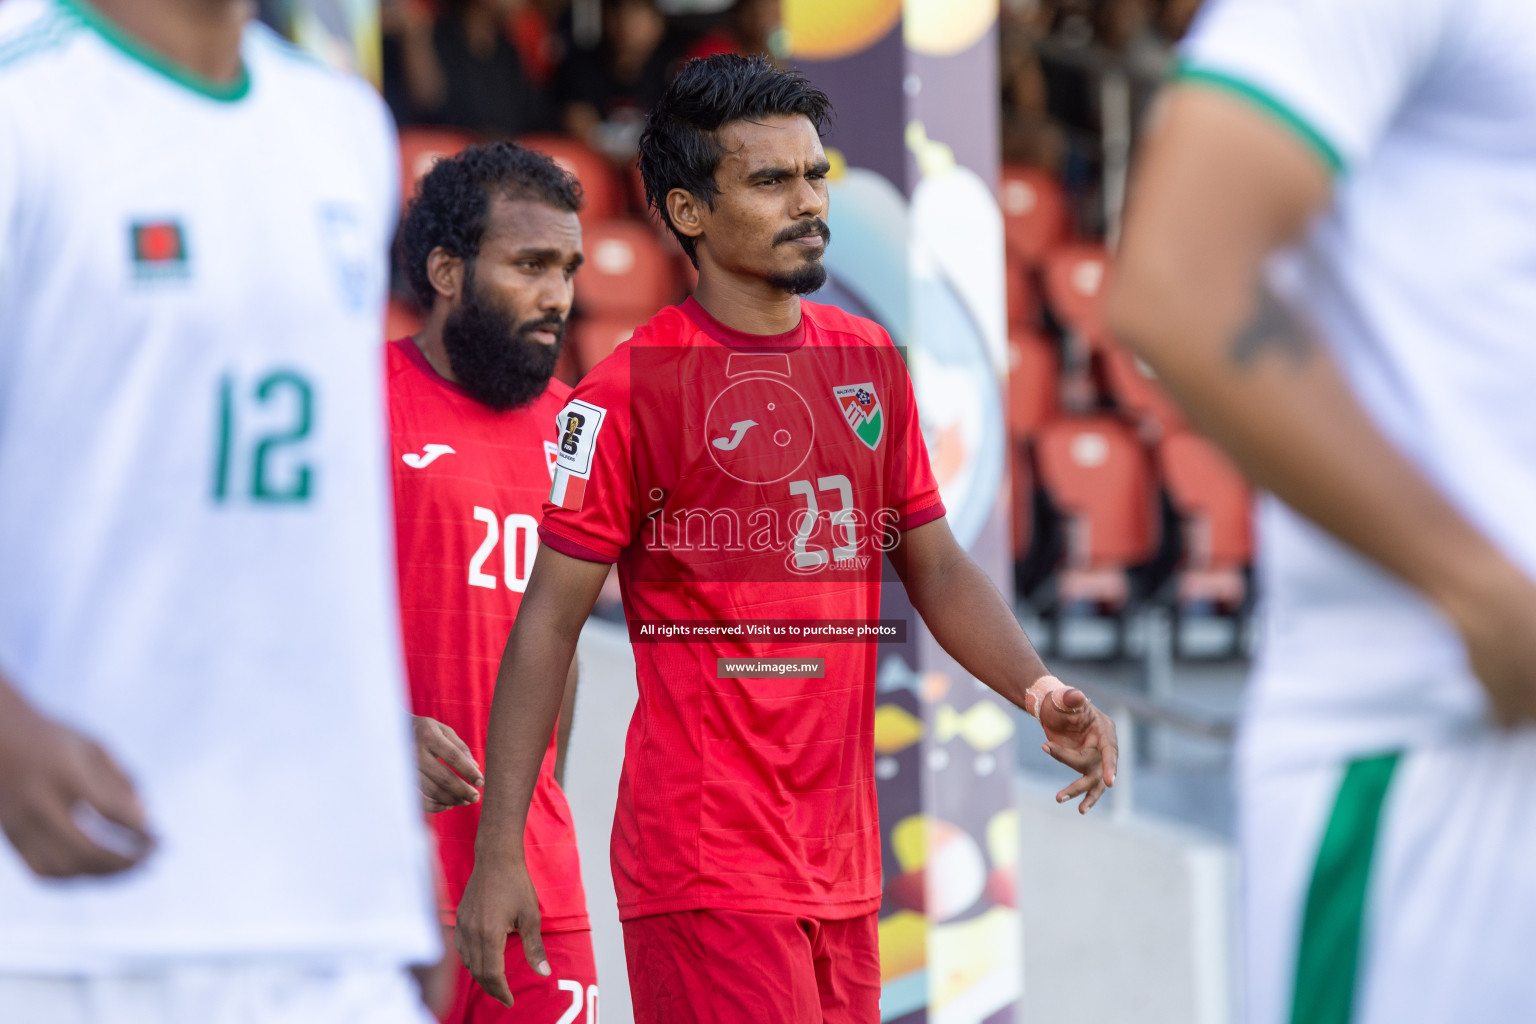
{"x": 567, "y": 996}
{"x": 725, "y": 966}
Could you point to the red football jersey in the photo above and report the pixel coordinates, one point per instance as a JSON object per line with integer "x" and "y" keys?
{"x": 470, "y": 484}
{"x": 741, "y": 481}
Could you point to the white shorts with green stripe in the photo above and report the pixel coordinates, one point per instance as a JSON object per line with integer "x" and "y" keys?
{"x": 1394, "y": 889}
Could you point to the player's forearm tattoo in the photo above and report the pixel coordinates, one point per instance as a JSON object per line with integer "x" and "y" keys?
{"x": 1271, "y": 329}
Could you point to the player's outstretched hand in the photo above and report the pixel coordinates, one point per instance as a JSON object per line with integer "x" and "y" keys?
{"x": 64, "y": 803}
{"x": 497, "y": 902}
{"x": 445, "y": 769}
{"x": 1081, "y": 737}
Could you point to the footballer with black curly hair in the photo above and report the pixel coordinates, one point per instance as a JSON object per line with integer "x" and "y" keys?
{"x": 491, "y": 245}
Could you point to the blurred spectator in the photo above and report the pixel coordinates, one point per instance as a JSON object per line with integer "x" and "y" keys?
{"x": 605, "y": 92}
{"x": 532, "y": 31}
{"x": 462, "y": 69}
{"x": 1125, "y": 28}
{"x": 1029, "y": 134}
{"x": 1174, "y": 17}
{"x": 751, "y": 29}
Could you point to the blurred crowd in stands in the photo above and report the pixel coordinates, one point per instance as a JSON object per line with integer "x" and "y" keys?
{"x": 1073, "y": 71}
{"x": 589, "y": 68}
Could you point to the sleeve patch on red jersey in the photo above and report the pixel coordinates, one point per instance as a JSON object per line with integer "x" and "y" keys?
{"x": 551, "y": 455}
{"x": 567, "y": 490}
{"x": 576, "y": 435}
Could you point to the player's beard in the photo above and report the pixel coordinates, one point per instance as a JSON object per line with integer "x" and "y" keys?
{"x": 494, "y": 359}
{"x": 811, "y": 275}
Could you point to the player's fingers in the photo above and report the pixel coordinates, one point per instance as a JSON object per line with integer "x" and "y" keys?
{"x": 533, "y": 948}
{"x": 492, "y": 976}
{"x": 56, "y": 847}
{"x": 1069, "y": 701}
{"x": 463, "y": 764}
{"x": 1083, "y": 760}
{"x": 111, "y": 792}
{"x": 457, "y": 755}
{"x": 1077, "y": 788}
{"x": 440, "y": 783}
{"x": 1063, "y": 711}
{"x": 1110, "y": 760}
{"x": 483, "y": 952}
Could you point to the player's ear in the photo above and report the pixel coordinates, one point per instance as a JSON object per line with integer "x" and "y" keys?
{"x": 687, "y": 212}
{"x": 446, "y": 272}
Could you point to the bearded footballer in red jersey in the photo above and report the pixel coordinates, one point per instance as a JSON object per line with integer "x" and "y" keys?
{"x": 491, "y": 243}
{"x": 746, "y": 459}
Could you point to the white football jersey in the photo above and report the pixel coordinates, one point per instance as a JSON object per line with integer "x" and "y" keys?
{"x": 196, "y": 558}
{"x": 1421, "y": 278}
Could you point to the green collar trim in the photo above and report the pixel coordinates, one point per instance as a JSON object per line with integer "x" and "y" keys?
{"x": 1314, "y": 139}
{"x": 223, "y": 92}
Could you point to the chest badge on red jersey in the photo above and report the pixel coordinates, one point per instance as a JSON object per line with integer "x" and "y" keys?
{"x": 861, "y": 409}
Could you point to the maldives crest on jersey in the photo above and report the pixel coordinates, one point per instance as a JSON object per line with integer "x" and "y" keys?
{"x": 861, "y": 408}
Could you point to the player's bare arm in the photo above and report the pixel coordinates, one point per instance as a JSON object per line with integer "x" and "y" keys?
{"x": 567, "y": 717}
{"x": 1220, "y": 187}
{"x": 530, "y": 687}
{"x": 56, "y": 786}
{"x": 970, "y": 620}
{"x": 446, "y": 772}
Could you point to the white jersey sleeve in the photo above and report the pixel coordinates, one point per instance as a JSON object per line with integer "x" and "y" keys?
{"x": 10, "y": 207}
{"x": 1337, "y": 71}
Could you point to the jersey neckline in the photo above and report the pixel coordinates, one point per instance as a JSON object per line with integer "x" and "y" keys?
{"x": 743, "y": 341}
{"x": 413, "y": 352}
{"x": 223, "y": 92}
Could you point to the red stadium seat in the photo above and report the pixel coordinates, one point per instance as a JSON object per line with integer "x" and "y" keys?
{"x": 401, "y": 319}
{"x": 1022, "y": 295}
{"x": 1032, "y": 383}
{"x": 593, "y": 338}
{"x": 1135, "y": 390}
{"x": 627, "y": 271}
{"x": 1098, "y": 476}
{"x": 1215, "y": 503}
{"x": 1034, "y": 212}
{"x": 1076, "y": 281}
{"x": 1022, "y": 478}
{"x": 420, "y": 148}
{"x": 599, "y": 180}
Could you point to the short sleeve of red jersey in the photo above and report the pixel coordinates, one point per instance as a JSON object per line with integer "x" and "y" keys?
{"x": 593, "y": 507}
{"x": 912, "y": 483}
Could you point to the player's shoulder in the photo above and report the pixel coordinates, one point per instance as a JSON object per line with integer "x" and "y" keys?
{"x": 34, "y": 35}
{"x": 669, "y": 325}
{"x": 300, "y": 75}
{"x": 556, "y": 393}
{"x": 835, "y": 320}
{"x": 396, "y": 360}
{"x": 557, "y": 389}
{"x": 668, "y": 328}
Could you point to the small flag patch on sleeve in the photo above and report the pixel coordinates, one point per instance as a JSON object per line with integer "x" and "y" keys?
{"x": 568, "y": 489}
